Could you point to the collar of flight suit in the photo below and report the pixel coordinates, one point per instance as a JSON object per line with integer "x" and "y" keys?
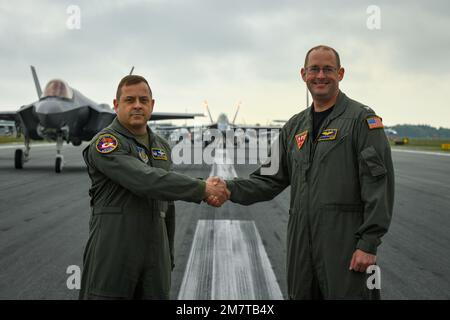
{"x": 117, "y": 126}
{"x": 339, "y": 107}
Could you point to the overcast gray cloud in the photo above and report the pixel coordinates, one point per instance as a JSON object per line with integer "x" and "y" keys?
{"x": 226, "y": 51}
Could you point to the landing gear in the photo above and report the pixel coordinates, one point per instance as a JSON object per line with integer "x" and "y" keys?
{"x": 18, "y": 159}
{"x": 58, "y": 163}
{"x": 59, "y": 157}
{"x": 20, "y": 156}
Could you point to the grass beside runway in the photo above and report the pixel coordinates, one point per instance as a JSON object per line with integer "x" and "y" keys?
{"x": 10, "y": 139}
{"x": 424, "y": 144}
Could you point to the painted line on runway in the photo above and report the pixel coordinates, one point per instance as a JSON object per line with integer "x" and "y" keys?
{"x": 21, "y": 146}
{"x": 423, "y": 152}
{"x": 223, "y": 165}
{"x": 228, "y": 262}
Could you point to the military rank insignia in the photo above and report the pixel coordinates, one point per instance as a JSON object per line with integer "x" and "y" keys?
{"x": 328, "y": 134}
{"x": 159, "y": 154}
{"x": 301, "y": 138}
{"x": 142, "y": 154}
{"x": 106, "y": 143}
{"x": 375, "y": 122}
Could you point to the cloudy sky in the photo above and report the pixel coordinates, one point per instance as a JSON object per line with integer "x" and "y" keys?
{"x": 396, "y": 54}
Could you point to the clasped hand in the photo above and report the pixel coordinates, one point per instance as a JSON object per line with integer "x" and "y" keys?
{"x": 216, "y": 192}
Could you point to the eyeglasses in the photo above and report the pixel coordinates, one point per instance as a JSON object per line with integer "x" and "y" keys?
{"x": 316, "y": 70}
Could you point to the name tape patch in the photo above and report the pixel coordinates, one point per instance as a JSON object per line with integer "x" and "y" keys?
{"x": 328, "y": 134}
{"x": 159, "y": 154}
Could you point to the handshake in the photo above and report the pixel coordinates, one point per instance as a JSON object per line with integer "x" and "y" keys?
{"x": 216, "y": 192}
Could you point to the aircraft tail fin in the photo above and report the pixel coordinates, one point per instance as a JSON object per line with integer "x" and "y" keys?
{"x": 237, "y": 110}
{"x": 207, "y": 109}
{"x": 36, "y": 82}
{"x": 131, "y": 71}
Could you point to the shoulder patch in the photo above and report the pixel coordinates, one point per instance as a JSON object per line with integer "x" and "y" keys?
{"x": 301, "y": 138}
{"x": 159, "y": 154}
{"x": 106, "y": 143}
{"x": 374, "y": 122}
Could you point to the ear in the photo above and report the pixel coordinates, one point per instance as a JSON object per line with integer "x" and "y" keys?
{"x": 116, "y": 105}
{"x": 303, "y": 74}
{"x": 341, "y": 74}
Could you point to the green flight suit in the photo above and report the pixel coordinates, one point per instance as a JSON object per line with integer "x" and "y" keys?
{"x": 128, "y": 253}
{"x": 342, "y": 195}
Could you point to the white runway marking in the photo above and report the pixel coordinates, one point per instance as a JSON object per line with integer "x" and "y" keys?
{"x": 223, "y": 166}
{"x": 228, "y": 261}
{"x": 422, "y": 152}
{"x": 21, "y": 146}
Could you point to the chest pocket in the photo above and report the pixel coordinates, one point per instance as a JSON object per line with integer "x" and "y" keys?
{"x": 335, "y": 147}
{"x": 160, "y": 158}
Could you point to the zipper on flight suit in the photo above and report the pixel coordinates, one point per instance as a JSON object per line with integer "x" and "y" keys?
{"x": 151, "y": 203}
{"x": 312, "y": 151}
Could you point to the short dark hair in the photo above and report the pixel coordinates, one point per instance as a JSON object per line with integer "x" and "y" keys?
{"x": 130, "y": 80}
{"x": 323, "y": 47}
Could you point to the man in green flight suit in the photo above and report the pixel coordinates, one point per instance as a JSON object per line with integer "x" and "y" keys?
{"x": 337, "y": 160}
{"x": 129, "y": 253}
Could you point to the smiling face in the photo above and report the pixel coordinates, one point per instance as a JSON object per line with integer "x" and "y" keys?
{"x": 324, "y": 84}
{"x": 134, "y": 107}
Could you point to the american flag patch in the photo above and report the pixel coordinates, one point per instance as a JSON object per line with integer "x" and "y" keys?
{"x": 374, "y": 123}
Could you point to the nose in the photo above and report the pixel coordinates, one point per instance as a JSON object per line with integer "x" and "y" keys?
{"x": 49, "y": 107}
{"x": 50, "y": 113}
{"x": 137, "y": 105}
{"x": 321, "y": 74}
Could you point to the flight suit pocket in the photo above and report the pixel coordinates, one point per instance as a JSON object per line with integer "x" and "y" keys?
{"x": 322, "y": 147}
{"x": 336, "y": 242}
{"x": 373, "y": 162}
{"x": 339, "y": 223}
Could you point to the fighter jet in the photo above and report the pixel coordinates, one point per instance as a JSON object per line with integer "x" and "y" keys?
{"x": 62, "y": 113}
{"x": 223, "y": 125}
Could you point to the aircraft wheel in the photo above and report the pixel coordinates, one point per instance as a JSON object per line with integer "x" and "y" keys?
{"x": 19, "y": 159}
{"x": 58, "y": 164}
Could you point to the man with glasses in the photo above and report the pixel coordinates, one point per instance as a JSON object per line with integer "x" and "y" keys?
{"x": 337, "y": 160}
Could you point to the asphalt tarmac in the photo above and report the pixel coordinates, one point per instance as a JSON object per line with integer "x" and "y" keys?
{"x": 44, "y": 226}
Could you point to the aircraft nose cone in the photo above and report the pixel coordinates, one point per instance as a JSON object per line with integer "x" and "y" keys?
{"x": 50, "y": 114}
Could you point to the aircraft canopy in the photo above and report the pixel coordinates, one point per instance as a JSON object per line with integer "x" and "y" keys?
{"x": 57, "y": 88}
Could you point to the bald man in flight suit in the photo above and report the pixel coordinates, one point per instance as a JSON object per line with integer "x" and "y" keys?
{"x": 337, "y": 160}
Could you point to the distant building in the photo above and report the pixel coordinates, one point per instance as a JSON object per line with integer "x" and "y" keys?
{"x": 7, "y": 128}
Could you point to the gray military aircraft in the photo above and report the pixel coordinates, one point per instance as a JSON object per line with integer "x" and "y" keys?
{"x": 223, "y": 125}
{"x": 64, "y": 114}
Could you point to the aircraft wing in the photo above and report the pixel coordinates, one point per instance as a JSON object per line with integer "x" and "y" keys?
{"x": 257, "y": 127}
{"x": 9, "y": 115}
{"x": 171, "y": 115}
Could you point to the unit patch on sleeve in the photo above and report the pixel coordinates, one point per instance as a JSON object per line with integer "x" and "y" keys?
{"x": 301, "y": 138}
{"x": 159, "y": 154}
{"x": 328, "y": 134}
{"x": 375, "y": 122}
{"x": 142, "y": 154}
{"x": 106, "y": 143}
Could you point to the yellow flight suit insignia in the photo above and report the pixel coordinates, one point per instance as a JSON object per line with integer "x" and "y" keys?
{"x": 328, "y": 134}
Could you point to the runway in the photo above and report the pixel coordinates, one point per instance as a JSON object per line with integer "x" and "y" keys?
{"x": 44, "y": 227}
